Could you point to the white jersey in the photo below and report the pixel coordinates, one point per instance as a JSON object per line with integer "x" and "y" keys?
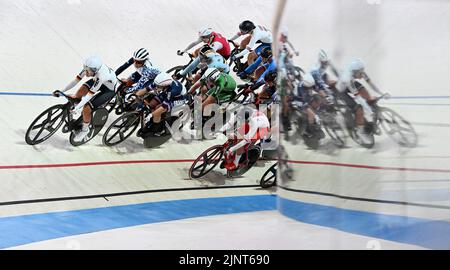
{"x": 260, "y": 33}
{"x": 347, "y": 82}
{"x": 105, "y": 76}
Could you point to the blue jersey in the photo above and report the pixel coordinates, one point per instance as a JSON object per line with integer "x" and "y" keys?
{"x": 270, "y": 66}
{"x": 173, "y": 96}
{"x": 148, "y": 75}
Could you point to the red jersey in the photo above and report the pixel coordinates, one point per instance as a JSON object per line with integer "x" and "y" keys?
{"x": 226, "y": 50}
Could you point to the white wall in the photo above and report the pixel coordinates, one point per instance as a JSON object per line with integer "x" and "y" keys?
{"x": 405, "y": 43}
{"x": 44, "y": 41}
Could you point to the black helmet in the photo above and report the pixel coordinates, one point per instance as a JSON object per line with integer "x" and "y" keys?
{"x": 246, "y": 26}
{"x": 266, "y": 52}
{"x": 271, "y": 76}
{"x": 204, "y": 50}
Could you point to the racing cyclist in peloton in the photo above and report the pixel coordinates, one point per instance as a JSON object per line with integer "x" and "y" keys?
{"x": 256, "y": 34}
{"x": 169, "y": 94}
{"x": 93, "y": 93}
{"x": 217, "y": 42}
{"x": 252, "y": 126}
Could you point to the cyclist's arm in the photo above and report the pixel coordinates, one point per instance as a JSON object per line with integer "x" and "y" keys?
{"x": 192, "y": 45}
{"x": 75, "y": 81}
{"x": 253, "y": 66}
{"x": 123, "y": 67}
{"x": 190, "y": 67}
{"x": 236, "y": 36}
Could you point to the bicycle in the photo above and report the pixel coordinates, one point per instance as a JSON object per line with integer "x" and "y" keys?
{"x": 126, "y": 124}
{"x": 396, "y": 127}
{"x": 177, "y": 69}
{"x": 209, "y": 159}
{"x": 52, "y": 119}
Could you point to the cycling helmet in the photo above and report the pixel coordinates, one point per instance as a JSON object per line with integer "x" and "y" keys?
{"x": 271, "y": 76}
{"x": 205, "y": 32}
{"x": 266, "y": 52}
{"x": 140, "y": 54}
{"x": 94, "y": 63}
{"x": 211, "y": 74}
{"x": 323, "y": 57}
{"x": 356, "y": 65}
{"x": 246, "y": 26}
{"x": 308, "y": 80}
{"x": 204, "y": 50}
{"x": 163, "y": 80}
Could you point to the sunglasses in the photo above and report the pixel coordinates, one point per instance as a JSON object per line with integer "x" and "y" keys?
{"x": 138, "y": 62}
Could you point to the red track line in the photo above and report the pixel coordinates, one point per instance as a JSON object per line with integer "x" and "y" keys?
{"x": 100, "y": 163}
{"x": 125, "y": 162}
{"x": 368, "y": 166}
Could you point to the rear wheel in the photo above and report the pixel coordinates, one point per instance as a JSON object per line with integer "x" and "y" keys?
{"x": 206, "y": 161}
{"x": 335, "y": 128}
{"x": 99, "y": 118}
{"x": 254, "y": 152}
{"x": 46, "y": 124}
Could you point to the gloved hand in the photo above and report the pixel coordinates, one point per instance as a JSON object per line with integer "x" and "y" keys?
{"x": 234, "y": 58}
{"x": 387, "y": 96}
{"x": 56, "y": 93}
{"x": 180, "y": 52}
{"x": 177, "y": 76}
{"x": 248, "y": 90}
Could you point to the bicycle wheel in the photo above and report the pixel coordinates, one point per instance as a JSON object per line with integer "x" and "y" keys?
{"x": 269, "y": 178}
{"x": 99, "y": 118}
{"x": 335, "y": 128}
{"x": 46, "y": 124}
{"x": 254, "y": 152}
{"x": 206, "y": 161}
{"x": 397, "y": 128}
{"x": 121, "y": 129}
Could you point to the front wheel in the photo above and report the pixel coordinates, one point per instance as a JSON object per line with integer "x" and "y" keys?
{"x": 46, "y": 124}
{"x": 397, "y": 128}
{"x": 207, "y": 161}
{"x": 269, "y": 178}
{"x": 121, "y": 129}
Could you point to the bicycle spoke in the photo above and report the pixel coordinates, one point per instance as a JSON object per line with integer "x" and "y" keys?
{"x": 39, "y": 133}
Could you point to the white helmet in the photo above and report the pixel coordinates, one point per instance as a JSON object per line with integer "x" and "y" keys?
{"x": 308, "y": 80}
{"x": 205, "y": 32}
{"x": 356, "y": 65}
{"x": 323, "y": 57}
{"x": 140, "y": 54}
{"x": 211, "y": 74}
{"x": 163, "y": 79}
{"x": 94, "y": 63}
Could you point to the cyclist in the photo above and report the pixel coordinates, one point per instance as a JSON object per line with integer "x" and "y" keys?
{"x": 94, "y": 93}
